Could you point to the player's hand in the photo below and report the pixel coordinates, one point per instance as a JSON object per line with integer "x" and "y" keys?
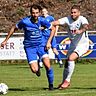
{"x": 48, "y": 46}
{"x": 3, "y": 44}
{"x": 77, "y": 32}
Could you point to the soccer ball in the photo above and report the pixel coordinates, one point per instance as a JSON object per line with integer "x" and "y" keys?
{"x": 3, "y": 88}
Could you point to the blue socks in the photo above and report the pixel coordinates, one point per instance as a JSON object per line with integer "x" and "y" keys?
{"x": 50, "y": 75}
{"x": 58, "y": 57}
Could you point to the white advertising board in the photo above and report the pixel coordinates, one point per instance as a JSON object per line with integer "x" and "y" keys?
{"x": 14, "y": 50}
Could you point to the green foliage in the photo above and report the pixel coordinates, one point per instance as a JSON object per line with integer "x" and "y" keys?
{"x": 20, "y": 11}
{"x": 74, "y": 1}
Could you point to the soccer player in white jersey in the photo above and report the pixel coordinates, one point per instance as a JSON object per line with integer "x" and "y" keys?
{"x": 77, "y": 26}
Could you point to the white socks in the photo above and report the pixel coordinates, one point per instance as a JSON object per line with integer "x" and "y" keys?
{"x": 41, "y": 64}
{"x": 68, "y": 71}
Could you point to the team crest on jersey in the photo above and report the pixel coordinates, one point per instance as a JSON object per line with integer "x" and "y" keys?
{"x": 65, "y": 44}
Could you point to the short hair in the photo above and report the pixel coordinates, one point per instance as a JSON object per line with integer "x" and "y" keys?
{"x": 75, "y": 7}
{"x": 35, "y": 6}
{"x": 44, "y": 7}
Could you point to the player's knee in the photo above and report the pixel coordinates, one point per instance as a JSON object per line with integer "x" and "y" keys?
{"x": 47, "y": 65}
{"x": 46, "y": 62}
{"x": 55, "y": 51}
{"x": 33, "y": 69}
{"x": 70, "y": 58}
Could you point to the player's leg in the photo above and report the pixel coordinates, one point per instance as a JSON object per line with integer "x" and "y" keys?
{"x": 78, "y": 52}
{"x": 70, "y": 64}
{"x": 40, "y": 63}
{"x": 35, "y": 68}
{"x": 31, "y": 54}
{"x": 45, "y": 38}
{"x": 58, "y": 57}
{"x": 68, "y": 71}
{"x": 49, "y": 70}
{"x": 54, "y": 45}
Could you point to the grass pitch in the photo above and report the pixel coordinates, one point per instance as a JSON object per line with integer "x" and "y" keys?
{"x": 22, "y": 82}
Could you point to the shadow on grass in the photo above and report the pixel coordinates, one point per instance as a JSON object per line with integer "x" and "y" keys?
{"x": 83, "y": 88}
{"x": 30, "y": 89}
{"x": 39, "y": 89}
{"x": 16, "y": 89}
{"x": 93, "y": 88}
{"x": 23, "y": 67}
{"x": 48, "y": 88}
{"x": 27, "y": 89}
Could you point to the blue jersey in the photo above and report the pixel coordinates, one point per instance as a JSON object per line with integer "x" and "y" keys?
{"x": 46, "y": 31}
{"x": 32, "y": 32}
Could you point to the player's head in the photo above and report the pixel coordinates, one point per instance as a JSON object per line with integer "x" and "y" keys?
{"x": 75, "y": 12}
{"x": 35, "y": 11}
{"x": 44, "y": 11}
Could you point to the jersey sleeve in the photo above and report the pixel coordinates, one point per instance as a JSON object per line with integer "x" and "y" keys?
{"x": 52, "y": 18}
{"x": 84, "y": 20}
{"x": 46, "y": 24}
{"x": 63, "y": 20}
{"x": 20, "y": 24}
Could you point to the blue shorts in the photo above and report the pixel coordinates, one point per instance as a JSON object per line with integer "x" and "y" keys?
{"x": 53, "y": 42}
{"x": 33, "y": 53}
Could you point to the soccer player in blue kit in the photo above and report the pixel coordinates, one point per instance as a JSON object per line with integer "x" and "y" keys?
{"x": 33, "y": 41}
{"x": 46, "y": 33}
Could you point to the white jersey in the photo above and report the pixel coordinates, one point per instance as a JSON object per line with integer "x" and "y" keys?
{"x": 79, "y": 42}
{"x": 72, "y": 26}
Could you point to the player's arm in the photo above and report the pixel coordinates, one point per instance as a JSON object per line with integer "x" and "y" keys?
{"x": 49, "y": 26}
{"x": 9, "y": 35}
{"x": 56, "y": 23}
{"x": 84, "y": 28}
{"x": 53, "y": 30}
{"x": 52, "y": 34}
{"x": 57, "y": 27}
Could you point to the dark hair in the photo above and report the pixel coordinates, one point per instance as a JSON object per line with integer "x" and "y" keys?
{"x": 44, "y": 7}
{"x": 35, "y": 6}
{"x": 75, "y": 7}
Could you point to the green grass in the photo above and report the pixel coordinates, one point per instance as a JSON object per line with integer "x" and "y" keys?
{"x": 22, "y": 82}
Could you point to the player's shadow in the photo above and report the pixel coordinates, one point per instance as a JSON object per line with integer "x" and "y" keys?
{"x": 73, "y": 88}
{"x": 83, "y": 88}
{"x": 29, "y": 89}
{"x": 55, "y": 88}
{"x": 15, "y": 89}
{"x": 38, "y": 89}
{"x": 25, "y": 89}
{"x": 23, "y": 67}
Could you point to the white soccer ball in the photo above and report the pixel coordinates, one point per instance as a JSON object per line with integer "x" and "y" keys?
{"x": 3, "y": 88}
